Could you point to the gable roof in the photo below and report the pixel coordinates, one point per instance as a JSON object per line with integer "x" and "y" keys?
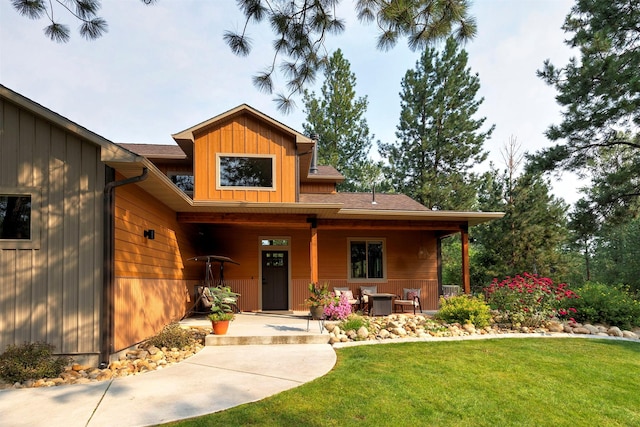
{"x": 186, "y": 138}
{"x": 109, "y": 151}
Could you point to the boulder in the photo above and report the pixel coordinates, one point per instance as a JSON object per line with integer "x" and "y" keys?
{"x": 555, "y": 327}
{"x": 614, "y": 331}
{"x": 363, "y": 333}
{"x": 629, "y": 334}
{"x": 581, "y": 330}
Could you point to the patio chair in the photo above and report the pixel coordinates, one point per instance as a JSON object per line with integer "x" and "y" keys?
{"x": 410, "y": 298}
{"x": 355, "y": 302}
{"x": 365, "y": 291}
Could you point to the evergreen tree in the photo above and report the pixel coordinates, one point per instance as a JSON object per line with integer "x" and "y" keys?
{"x": 530, "y": 237}
{"x": 439, "y": 141}
{"x": 337, "y": 118}
{"x": 600, "y": 93}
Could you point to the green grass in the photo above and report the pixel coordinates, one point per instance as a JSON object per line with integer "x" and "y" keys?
{"x": 506, "y": 382}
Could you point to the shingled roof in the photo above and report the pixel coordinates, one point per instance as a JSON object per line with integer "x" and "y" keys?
{"x": 391, "y": 202}
{"x": 155, "y": 151}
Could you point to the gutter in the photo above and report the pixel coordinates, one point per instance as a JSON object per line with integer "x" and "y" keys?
{"x": 107, "y": 312}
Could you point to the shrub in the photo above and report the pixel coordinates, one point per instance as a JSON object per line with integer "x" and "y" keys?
{"x": 31, "y": 361}
{"x": 612, "y": 305}
{"x": 353, "y": 322}
{"x": 528, "y": 300}
{"x": 464, "y": 309}
{"x": 172, "y": 336}
{"x": 338, "y": 308}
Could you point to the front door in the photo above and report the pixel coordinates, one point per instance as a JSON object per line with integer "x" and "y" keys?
{"x": 275, "y": 284}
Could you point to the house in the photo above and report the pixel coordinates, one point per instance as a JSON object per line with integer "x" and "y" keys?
{"x": 97, "y": 238}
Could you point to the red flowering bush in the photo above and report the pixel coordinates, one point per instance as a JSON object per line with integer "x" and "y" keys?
{"x": 529, "y": 300}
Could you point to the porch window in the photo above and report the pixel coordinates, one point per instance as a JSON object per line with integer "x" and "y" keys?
{"x": 246, "y": 171}
{"x": 15, "y": 217}
{"x": 366, "y": 259}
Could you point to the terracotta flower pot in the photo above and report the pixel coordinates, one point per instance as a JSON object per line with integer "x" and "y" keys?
{"x": 220, "y": 327}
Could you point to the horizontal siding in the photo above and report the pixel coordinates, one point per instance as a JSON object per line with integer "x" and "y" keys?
{"x": 52, "y": 293}
{"x": 144, "y": 306}
{"x": 165, "y": 256}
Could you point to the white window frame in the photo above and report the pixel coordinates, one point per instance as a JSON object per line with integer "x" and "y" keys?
{"x": 261, "y": 156}
{"x": 36, "y": 223}
{"x": 367, "y": 240}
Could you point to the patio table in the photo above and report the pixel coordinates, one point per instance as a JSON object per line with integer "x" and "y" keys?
{"x": 381, "y": 304}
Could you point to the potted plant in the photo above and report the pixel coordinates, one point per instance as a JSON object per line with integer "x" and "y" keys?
{"x": 319, "y": 298}
{"x": 222, "y": 298}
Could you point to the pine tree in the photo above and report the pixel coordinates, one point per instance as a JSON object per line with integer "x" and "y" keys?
{"x": 337, "y": 118}
{"x": 600, "y": 95}
{"x": 439, "y": 141}
{"x": 532, "y": 233}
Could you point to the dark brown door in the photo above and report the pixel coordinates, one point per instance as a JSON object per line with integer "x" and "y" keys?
{"x": 275, "y": 286}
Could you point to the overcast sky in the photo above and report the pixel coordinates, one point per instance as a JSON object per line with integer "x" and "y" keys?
{"x": 165, "y": 68}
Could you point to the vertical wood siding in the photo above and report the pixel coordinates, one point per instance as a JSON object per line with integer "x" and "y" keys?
{"x": 244, "y": 135}
{"x": 51, "y": 293}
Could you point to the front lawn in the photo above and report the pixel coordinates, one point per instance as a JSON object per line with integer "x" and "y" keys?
{"x": 501, "y": 382}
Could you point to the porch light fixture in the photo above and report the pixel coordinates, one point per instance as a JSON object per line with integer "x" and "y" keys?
{"x": 150, "y": 234}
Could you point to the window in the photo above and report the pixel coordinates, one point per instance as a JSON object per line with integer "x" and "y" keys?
{"x": 19, "y": 218}
{"x": 15, "y": 217}
{"x": 366, "y": 259}
{"x": 183, "y": 181}
{"x": 246, "y": 171}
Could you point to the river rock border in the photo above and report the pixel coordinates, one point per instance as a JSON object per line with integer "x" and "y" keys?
{"x": 402, "y": 326}
{"x": 135, "y": 361}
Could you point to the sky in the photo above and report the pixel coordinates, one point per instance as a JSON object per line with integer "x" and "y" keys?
{"x": 164, "y": 68}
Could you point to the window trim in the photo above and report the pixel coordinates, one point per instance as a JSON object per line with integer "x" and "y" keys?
{"x": 261, "y": 156}
{"x": 367, "y": 240}
{"x": 36, "y": 222}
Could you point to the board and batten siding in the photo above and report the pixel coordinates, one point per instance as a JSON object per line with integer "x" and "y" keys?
{"x": 244, "y": 135}
{"x": 154, "y": 280}
{"x": 51, "y": 291}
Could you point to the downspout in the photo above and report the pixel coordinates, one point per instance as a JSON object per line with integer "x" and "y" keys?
{"x": 108, "y": 286}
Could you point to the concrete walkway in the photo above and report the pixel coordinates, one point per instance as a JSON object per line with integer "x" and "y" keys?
{"x": 216, "y": 378}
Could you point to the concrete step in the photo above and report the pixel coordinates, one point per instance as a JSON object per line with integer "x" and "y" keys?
{"x": 211, "y": 340}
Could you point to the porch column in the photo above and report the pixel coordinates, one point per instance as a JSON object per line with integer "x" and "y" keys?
{"x": 313, "y": 251}
{"x": 466, "y": 276}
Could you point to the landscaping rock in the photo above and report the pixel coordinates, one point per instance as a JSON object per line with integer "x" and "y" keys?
{"x": 592, "y": 329}
{"x": 614, "y": 331}
{"x": 629, "y": 334}
{"x": 581, "y": 330}
{"x": 554, "y": 326}
{"x": 363, "y": 333}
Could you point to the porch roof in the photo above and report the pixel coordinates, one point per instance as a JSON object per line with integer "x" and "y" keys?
{"x": 337, "y": 206}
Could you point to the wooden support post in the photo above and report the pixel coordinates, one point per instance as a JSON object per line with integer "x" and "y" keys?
{"x": 313, "y": 252}
{"x": 466, "y": 276}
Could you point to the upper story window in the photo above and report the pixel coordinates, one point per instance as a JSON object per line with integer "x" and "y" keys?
{"x": 183, "y": 181}
{"x": 248, "y": 171}
{"x": 366, "y": 259}
{"x": 19, "y": 218}
{"x": 15, "y": 217}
